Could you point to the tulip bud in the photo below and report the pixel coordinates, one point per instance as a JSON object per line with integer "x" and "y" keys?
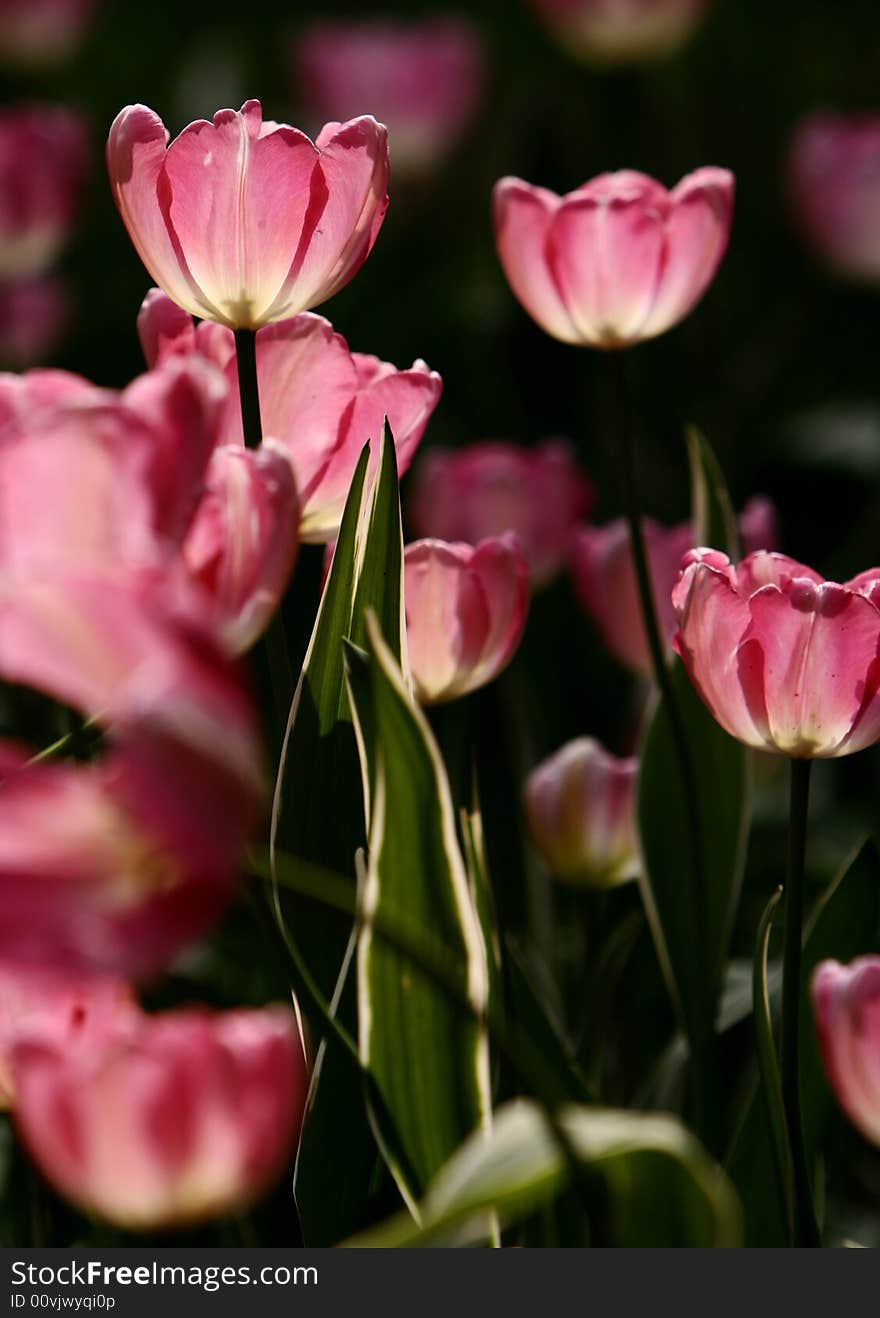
{"x": 248, "y": 223}
{"x": 607, "y": 32}
{"x": 580, "y": 805}
{"x": 834, "y": 173}
{"x": 42, "y": 161}
{"x": 617, "y": 261}
{"x": 465, "y": 613}
{"x": 486, "y": 489}
{"x": 185, "y": 1116}
{"x": 846, "y": 1003}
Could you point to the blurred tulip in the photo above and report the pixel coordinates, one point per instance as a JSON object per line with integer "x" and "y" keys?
{"x": 34, "y": 315}
{"x": 465, "y": 613}
{"x": 186, "y": 1116}
{"x": 243, "y": 540}
{"x": 846, "y": 1003}
{"x": 42, "y": 32}
{"x": 45, "y": 1006}
{"x": 617, "y": 261}
{"x": 319, "y": 400}
{"x": 246, "y": 222}
{"x": 834, "y": 179}
{"x": 486, "y": 489}
{"x": 605, "y": 580}
{"x": 42, "y": 161}
{"x": 607, "y": 32}
{"x": 784, "y": 660}
{"x": 422, "y": 79}
{"x": 580, "y": 805}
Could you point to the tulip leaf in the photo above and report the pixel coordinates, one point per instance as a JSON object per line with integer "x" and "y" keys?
{"x": 659, "y": 1187}
{"x": 691, "y": 885}
{"x": 768, "y": 1062}
{"x": 712, "y": 514}
{"x": 319, "y": 781}
{"x": 424, "y": 1042}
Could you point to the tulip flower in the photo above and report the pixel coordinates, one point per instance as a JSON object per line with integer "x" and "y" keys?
{"x": 834, "y": 177}
{"x": 422, "y": 79}
{"x": 34, "y": 315}
{"x": 41, "y": 1004}
{"x": 846, "y": 1003}
{"x": 246, "y": 222}
{"x": 42, "y": 32}
{"x": 186, "y": 1116}
{"x": 604, "y": 578}
{"x": 580, "y": 805}
{"x": 487, "y": 489}
{"x": 617, "y": 261}
{"x": 465, "y": 613}
{"x": 318, "y": 399}
{"x": 608, "y": 32}
{"x": 42, "y": 160}
{"x": 785, "y": 660}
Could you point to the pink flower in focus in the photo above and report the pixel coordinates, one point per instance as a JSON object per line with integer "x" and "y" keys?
{"x": 465, "y": 613}
{"x": 34, "y": 315}
{"x": 785, "y": 660}
{"x": 43, "y": 150}
{"x": 834, "y": 178}
{"x": 184, "y": 1116}
{"x": 617, "y": 261}
{"x": 846, "y": 1004}
{"x": 621, "y": 31}
{"x": 246, "y": 222}
{"x": 319, "y": 400}
{"x": 422, "y": 79}
{"x": 41, "y": 1004}
{"x": 487, "y": 489}
{"x": 42, "y": 32}
{"x": 605, "y": 580}
{"x": 580, "y": 805}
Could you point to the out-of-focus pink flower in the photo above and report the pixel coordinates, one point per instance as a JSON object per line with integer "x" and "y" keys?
{"x": 42, "y": 161}
{"x": 834, "y": 180}
{"x": 785, "y": 660}
{"x": 580, "y": 805}
{"x": 465, "y": 613}
{"x": 319, "y": 400}
{"x": 41, "y": 1004}
{"x": 242, "y": 543}
{"x": 618, "y": 260}
{"x": 246, "y": 222}
{"x": 489, "y": 488}
{"x": 422, "y": 79}
{"x": 605, "y": 580}
{"x": 621, "y": 31}
{"x": 42, "y": 32}
{"x": 846, "y": 1004}
{"x": 185, "y": 1116}
{"x": 34, "y": 314}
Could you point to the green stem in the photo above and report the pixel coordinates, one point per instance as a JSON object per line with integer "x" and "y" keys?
{"x": 248, "y": 386}
{"x": 701, "y": 1059}
{"x": 805, "y": 1229}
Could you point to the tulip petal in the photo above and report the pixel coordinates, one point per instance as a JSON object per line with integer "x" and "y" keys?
{"x": 846, "y": 1002}
{"x": 523, "y": 217}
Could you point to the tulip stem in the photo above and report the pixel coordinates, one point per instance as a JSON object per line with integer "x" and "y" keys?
{"x": 248, "y": 386}
{"x": 805, "y": 1229}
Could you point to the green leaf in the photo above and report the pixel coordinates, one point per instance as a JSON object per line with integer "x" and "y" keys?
{"x": 768, "y": 1064}
{"x": 691, "y": 898}
{"x": 712, "y": 513}
{"x": 660, "y": 1187}
{"x": 426, "y": 1047}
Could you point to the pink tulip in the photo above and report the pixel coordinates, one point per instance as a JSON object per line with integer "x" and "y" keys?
{"x": 42, "y": 32}
{"x": 34, "y": 315}
{"x": 580, "y": 805}
{"x": 320, "y": 401}
{"x": 242, "y": 543}
{"x": 621, "y": 31}
{"x": 41, "y": 1004}
{"x": 605, "y": 581}
{"x": 465, "y": 613}
{"x": 42, "y": 160}
{"x": 185, "y": 1116}
{"x": 422, "y": 79}
{"x": 834, "y": 172}
{"x": 617, "y": 261}
{"x": 846, "y": 1003}
{"x": 784, "y": 660}
{"x": 246, "y": 222}
{"x": 489, "y": 488}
